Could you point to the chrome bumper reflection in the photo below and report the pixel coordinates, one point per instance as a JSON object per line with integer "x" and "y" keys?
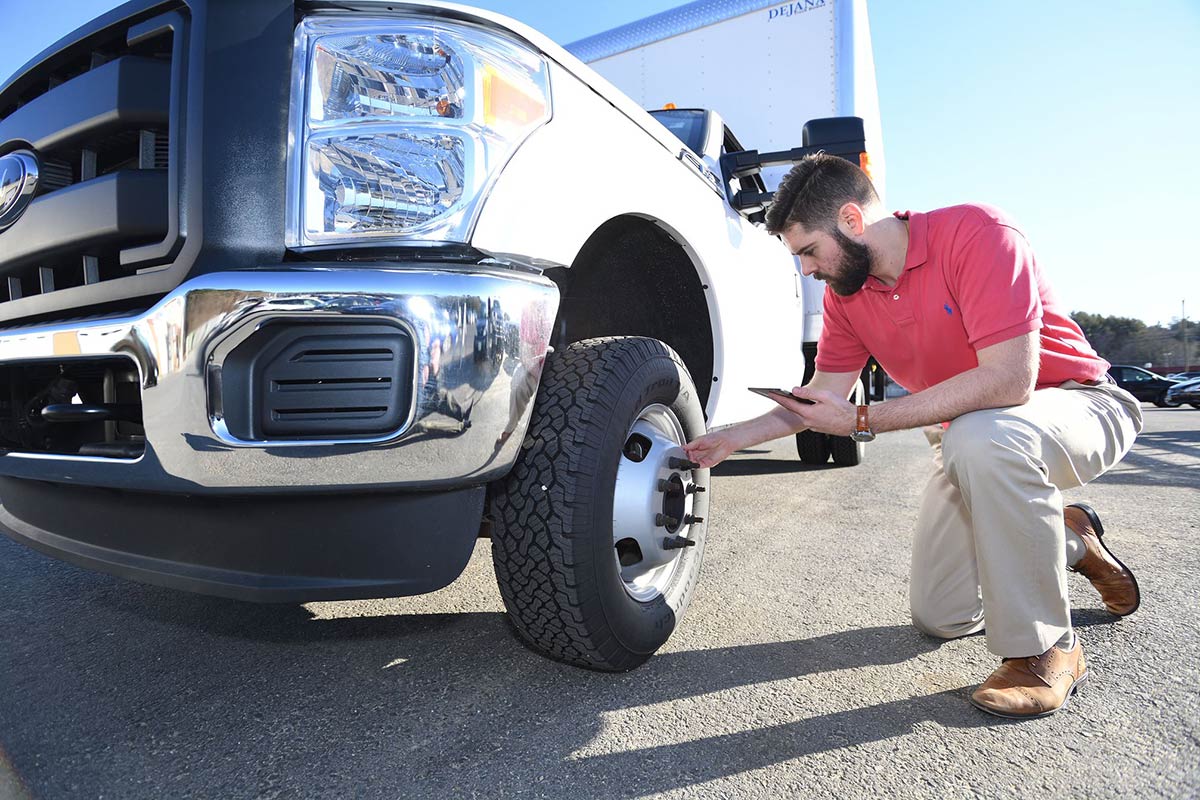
{"x": 480, "y": 336}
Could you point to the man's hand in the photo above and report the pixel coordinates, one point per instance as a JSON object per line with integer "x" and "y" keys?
{"x": 711, "y": 448}
{"x": 828, "y": 413}
{"x": 790, "y": 418}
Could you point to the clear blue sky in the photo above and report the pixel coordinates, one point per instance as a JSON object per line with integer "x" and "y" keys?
{"x": 1078, "y": 118}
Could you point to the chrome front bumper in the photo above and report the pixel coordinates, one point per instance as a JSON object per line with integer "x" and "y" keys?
{"x": 179, "y": 346}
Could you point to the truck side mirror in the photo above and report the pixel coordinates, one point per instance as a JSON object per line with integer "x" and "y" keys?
{"x": 839, "y": 136}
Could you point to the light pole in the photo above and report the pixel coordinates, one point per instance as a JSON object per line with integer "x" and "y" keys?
{"x": 1187, "y": 363}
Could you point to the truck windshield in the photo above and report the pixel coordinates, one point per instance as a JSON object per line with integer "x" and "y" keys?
{"x": 688, "y": 124}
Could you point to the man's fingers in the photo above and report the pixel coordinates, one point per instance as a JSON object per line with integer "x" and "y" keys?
{"x": 705, "y": 452}
{"x": 791, "y": 405}
{"x": 810, "y": 394}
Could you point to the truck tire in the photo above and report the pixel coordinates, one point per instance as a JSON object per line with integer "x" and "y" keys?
{"x": 816, "y": 448}
{"x": 845, "y": 451}
{"x": 812, "y": 447}
{"x": 578, "y": 524}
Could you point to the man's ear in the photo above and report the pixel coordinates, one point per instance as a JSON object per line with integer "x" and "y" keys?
{"x": 851, "y": 220}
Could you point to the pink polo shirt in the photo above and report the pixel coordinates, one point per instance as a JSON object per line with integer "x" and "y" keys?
{"x": 970, "y": 280}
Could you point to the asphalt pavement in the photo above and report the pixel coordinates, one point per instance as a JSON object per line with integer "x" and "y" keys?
{"x": 796, "y": 672}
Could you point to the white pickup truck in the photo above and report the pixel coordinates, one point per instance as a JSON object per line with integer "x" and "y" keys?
{"x": 302, "y": 298}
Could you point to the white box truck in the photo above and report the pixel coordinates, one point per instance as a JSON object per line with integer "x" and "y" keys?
{"x": 302, "y": 297}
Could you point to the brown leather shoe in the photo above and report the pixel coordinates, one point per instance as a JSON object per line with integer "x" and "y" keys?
{"x": 1036, "y": 686}
{"x": 1112, "y": 579}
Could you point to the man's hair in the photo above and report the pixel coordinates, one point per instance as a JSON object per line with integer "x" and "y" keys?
{"x": 815, "y": 189}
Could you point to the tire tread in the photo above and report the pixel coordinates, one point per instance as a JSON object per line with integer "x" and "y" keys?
{"x": 540, "y": 564}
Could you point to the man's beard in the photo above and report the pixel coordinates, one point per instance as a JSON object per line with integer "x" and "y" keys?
{"x": 852, "y": 269}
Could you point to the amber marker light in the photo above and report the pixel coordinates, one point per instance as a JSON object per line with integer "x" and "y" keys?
{"x": 864, "y": 163}
{"x": 507, "y": 104}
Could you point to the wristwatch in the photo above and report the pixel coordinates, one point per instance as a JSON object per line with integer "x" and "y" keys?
{"x": 862, "y": 429}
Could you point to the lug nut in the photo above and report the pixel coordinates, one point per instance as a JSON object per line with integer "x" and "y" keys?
{"x": 694, "y": 488}
{"x": 677, "y": 542}
{"x": 681, "y": 463}
{"x": 663, "y": 521}
{"x": 688, "y": 519}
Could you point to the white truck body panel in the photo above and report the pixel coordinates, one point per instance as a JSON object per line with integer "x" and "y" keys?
{"x": 752, "y": 293}
{"x": 767, "y": 68}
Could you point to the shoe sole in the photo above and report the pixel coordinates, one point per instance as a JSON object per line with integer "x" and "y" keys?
{"x": 1094, "y": 518}
{"x": 1075, "y": 687}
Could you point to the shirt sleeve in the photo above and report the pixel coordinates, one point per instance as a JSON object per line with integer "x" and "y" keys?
{"x": 994, "y": 279}
{"x": 839, "y": 349}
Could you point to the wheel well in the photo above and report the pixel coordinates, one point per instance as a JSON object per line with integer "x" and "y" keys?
{"x": 632, "y": 279}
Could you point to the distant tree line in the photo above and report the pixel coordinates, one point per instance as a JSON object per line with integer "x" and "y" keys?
{"x": 1124, "y": 340}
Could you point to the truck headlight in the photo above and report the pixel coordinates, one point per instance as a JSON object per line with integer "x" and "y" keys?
{"x": 400, "y": 125}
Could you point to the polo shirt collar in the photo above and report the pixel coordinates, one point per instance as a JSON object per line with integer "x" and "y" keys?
{"x": 918, "y": 248}
{"x": 918, "y": 238}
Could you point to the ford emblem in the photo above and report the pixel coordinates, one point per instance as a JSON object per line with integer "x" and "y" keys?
{"x": 18, "y": 182}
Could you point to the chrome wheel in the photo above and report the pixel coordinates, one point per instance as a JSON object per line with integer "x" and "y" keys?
{"x": 652, "y": 503}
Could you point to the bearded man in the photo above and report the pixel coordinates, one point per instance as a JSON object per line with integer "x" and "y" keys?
{"x": 953, "y": 305}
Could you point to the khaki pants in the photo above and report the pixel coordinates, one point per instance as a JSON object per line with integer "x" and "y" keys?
{"x": 990, "y": 535}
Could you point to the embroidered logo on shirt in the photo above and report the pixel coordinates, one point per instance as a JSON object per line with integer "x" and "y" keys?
{"x": 949, "y": 310}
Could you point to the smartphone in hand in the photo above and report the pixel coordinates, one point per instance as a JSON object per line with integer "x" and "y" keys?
{"x": 768, "y": 392}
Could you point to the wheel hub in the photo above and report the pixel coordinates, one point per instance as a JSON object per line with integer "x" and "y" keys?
{"x": 652, "y": 503}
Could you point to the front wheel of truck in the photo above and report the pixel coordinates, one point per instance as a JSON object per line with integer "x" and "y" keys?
{"x": 598, "y": 530}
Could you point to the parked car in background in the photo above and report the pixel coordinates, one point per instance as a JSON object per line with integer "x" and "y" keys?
{"x": 1183, "y": 376}
{"x": 1147, "y": 386}
{"x": 1185, "y": 392}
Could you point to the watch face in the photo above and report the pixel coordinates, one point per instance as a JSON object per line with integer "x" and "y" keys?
{"x": 863, "y": 436}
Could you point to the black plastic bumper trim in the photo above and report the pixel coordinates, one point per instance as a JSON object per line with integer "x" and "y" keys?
{"x": 263, "y": 549}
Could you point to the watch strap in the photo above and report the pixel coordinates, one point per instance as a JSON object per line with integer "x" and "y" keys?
{"x": 861, "y": 423}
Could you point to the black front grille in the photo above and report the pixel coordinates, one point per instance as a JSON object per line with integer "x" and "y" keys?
{"x": 100, "y": 115}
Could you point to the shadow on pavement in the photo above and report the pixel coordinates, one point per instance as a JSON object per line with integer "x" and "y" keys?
{"x": 718, "y": 756}
{"x": 133, "y": 689}
{"x": 763, "y": 466}
{"x": 1179, "y": 442}
{"x": 1161, "y": 458}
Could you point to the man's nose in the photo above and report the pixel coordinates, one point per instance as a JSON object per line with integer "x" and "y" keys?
{"x": 807, "y": 268}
